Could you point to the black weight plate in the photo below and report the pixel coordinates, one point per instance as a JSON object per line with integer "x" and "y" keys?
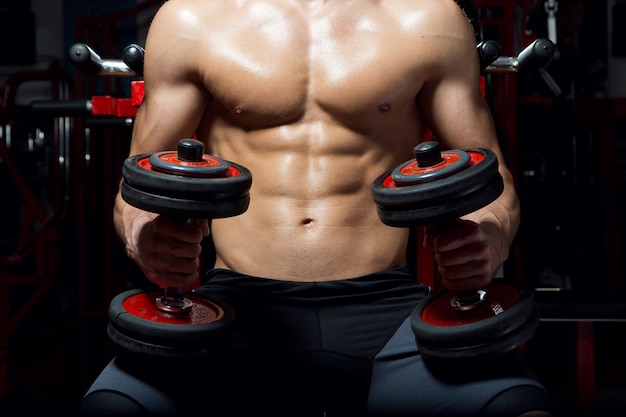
{"x": 138, "y": 173}
{"x": 158, "y": 333}
{"x": 211, "y": 208}
{"x": 451, "y": 333}
{"x": 389, "y": 195}
{"x": 165, "y": 347}
{"x": 420, "y": 215}
{"x": 486, "y": 348}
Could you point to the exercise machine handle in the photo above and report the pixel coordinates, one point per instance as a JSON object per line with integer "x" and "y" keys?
{"x": 88, "y": 61}
{"x": 133, "y": 56}
{"x": 61, "y": 108}
{"x": 535, "y": 56}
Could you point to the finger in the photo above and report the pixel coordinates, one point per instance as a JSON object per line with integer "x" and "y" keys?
{"x": 163, "y": 263}
{"x": 462, "y": 234}
{"x": 171, "y": 279}
{"x": 463, "y": 254}
{"x": 177, "y": 229}
{"x": 182, "y": 251}
{"x": 203, "y": 225}
{"x": 470, "y": 275}
{"x": 468, "y": 283}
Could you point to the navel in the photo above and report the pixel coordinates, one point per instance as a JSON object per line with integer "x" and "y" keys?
{"x": 307, "y": 224}
{"x": 384, "y": 107}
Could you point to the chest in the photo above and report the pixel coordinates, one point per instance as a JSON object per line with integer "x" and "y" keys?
{"x": 280, "y": 67}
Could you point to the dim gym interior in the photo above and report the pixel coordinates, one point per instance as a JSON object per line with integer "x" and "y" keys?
{"x": 553, "y": 73}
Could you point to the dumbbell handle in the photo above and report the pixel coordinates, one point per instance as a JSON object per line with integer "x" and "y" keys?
{"x": 173, "y": 299}
{"x": 428, "y": 154}
{"x": 468, "y": 299}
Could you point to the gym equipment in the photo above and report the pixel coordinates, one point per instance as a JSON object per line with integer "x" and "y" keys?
{"x": 85, "y": 58}
{"x": 436, "y": 188}
{"x": 190, "y": 185}
{"x": 88, "y": 61}
{"x": 133, "y": 56}
{"x": 534, "y": 56}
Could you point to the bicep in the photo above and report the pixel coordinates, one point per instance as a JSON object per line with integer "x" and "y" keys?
{"x": 455, "y": 109}
{"x": 175, "y": 95}
{"x": 450, "y": 98}
{"x": 169, "y": 112}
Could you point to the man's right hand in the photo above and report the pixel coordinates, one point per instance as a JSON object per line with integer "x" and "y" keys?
{"x": 167, "y": 249}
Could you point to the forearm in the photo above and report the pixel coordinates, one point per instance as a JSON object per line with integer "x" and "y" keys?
{"x": 128, "y": 221}
{"x": 501, "y": 219}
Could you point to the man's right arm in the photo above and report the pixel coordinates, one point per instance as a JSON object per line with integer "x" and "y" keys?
{"x": 166, "y": 250}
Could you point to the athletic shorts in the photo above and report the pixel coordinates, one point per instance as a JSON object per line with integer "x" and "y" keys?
{"x": 337, "y": 348}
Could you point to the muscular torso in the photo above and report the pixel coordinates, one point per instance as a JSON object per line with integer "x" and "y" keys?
{"x": 316, "y": 100}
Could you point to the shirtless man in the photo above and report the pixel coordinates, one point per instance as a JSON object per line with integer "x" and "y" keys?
{"x": 317, "y": 98}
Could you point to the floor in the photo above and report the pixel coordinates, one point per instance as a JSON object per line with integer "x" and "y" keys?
{"x": 53, "y": 358}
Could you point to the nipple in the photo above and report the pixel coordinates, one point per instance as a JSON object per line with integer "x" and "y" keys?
{"x": 238, "y": 110}
{"x": 385, "y": 107}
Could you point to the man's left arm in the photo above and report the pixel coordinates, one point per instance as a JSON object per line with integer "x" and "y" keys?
{"x": 459, "y": 117}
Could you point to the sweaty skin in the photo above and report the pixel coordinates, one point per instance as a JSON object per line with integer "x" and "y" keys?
{"x": 317, "y": 99}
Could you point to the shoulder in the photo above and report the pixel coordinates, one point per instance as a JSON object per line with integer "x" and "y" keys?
{"x": 184, "y": 16}
{"x": 177, "y": 33}
{"x": 434, "y": 19}
{"x": 442, "y": 36}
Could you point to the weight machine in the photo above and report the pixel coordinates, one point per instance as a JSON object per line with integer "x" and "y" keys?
{"x": 36, "y": 164}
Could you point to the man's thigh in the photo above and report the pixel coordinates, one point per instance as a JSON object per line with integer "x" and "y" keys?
{"x": 403, "y": 383}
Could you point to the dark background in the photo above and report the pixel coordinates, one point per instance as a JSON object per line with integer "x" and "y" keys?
{"x": 567, "y": 149}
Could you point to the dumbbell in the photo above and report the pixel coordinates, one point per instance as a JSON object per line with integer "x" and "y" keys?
{"x": 437, "y": 188}
{"x": 189, "y": 185}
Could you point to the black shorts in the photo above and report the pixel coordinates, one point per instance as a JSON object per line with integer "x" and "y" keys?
{"x": 337, "y": 348}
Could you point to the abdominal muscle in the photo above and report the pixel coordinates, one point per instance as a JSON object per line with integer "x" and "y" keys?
{"x": 311, "y": 215}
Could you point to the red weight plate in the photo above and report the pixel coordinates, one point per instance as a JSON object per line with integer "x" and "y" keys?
{"x": 475, "y": 157}
{"x": 143, "y": 305}
{"x": 207, "y": 167}
{"x": 172, "y": 158}
{"x": 439, "y": 311}
{"x": 193, "y": 169}
{"x": 411, "y": 174}
{"x": 448, "y": 160}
